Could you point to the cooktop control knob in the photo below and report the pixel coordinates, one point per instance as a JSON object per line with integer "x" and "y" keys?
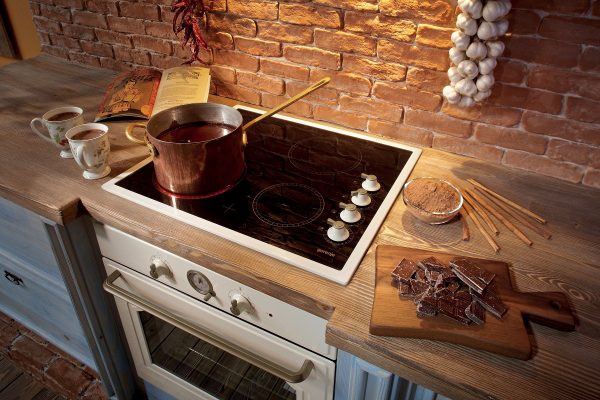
{"x": 360, "y": 197}
{"x": 159, "y": 268}
{"x": 201, "y": 284}
{"x": 370, "y": 183}
{"x": 349, "y": 213}
{"x": 338, "y": 231}
{"x": 239, "y": 304}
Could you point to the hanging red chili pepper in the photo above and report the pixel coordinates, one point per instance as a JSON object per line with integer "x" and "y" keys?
{"x": 188, "y": 18}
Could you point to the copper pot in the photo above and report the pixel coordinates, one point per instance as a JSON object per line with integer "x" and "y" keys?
{"x": 205, "y": 168}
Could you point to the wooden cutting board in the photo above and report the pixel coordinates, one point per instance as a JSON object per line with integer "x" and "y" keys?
{"x": 395, "y": 316}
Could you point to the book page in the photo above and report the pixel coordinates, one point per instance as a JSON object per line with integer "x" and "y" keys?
{"x": 182, "y": 85}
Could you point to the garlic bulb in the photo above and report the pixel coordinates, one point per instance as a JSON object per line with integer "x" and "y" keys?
{"x": 456, "y": 56}
{"x": 466, "y": 24}
{"x": 485, "y": 82}
{"x": 451, "y": 94}
{"x": 466, "y": 102}
{"x": 468, "y": 69}
{"x": 477, "y": 51}
{"x": 480, "y": 96}
{"x": 495, "y": 48}
{"x": 466, "y": 87}
{"x": 487, "y": 65}
{"x": 454, "y": 75}
{"x": 461, "y": 40}
{"x": 473, "y": 8}
{"x": 501, "y": 27}
{"x": 494, "y": 10}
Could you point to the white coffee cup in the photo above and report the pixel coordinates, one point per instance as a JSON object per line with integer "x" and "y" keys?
{"x": 57, "y": 128}
{"x": 90, "y": 147}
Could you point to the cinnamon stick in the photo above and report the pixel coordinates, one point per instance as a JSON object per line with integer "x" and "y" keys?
{"x": 507, "y": 201}
{"x": 471, "y": 212}
{"x": 466, "y": 235}
{"x": 537, "y": 229}
{"x": 501, "y": 218}
{"x": 481, "y": 213}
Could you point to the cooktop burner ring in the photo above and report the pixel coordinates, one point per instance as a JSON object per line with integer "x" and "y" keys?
{"x": 320, "y": 143}
{"x": 313, "y": 193}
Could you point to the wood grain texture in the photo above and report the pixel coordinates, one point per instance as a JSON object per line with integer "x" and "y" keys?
{"x": 396, "y": 316}
{"x": 564, "y": 365}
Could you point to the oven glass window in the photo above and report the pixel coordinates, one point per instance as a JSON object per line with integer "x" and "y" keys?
{"x": 205, "y": 366}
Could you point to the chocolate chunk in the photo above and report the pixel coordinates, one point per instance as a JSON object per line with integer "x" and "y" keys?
{"x": 472, "y": 270}
{"x": 432, "y": 264}
{"x": 432, "y": 276}
{"x": 420, "y": 275}
{"x": 475, "y": 312}
{"x": 439, "y": 283}
{"x": 418, "y": 287}
{"x": 463, "y": 295}
{"x": 491, "y": 302}
{"x": 424, "y": 310}
{"x": 404, "y": 290}
{"x": 404, "y": 271}
{"x": 443, "y": 293}
{"x": 453, "y": 286}
{"x": 471, "y": 281}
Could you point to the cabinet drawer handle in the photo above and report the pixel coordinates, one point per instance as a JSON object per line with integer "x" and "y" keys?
{"x": 236, "y": 350}
{"x": 12, "y": 278}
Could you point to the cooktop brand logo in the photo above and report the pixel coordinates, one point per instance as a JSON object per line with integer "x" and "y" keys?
{"x": 328, "y": 253}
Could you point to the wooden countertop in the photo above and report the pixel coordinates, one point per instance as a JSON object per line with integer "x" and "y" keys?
{"x": 33, "y": 175}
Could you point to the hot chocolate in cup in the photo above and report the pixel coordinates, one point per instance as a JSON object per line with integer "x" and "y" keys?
{"x": 57, "y": 122}
{"x": 90, "y": 147}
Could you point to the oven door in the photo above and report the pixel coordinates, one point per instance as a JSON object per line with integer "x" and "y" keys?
{"x": 193, "y": 351}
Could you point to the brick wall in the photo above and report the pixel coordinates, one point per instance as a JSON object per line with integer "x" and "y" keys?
{"x": 388, "y": 62}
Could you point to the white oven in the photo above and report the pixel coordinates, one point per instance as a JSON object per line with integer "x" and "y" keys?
{"x": 196, "y": 334}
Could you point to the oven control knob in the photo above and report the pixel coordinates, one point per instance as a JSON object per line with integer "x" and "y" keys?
{"x": 159, "y": 268}
{"x": 349, "y": 213}
{"x": 338, "y": 231}
{"x": 370, "y": 183}
{"x": 239, "y": 304}
{"x": 360, "y": 197}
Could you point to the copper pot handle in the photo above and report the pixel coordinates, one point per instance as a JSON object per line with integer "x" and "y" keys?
{"x": 145, "y": 142}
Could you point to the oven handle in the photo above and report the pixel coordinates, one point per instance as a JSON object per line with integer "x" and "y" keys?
{"x": 272, "y": 368}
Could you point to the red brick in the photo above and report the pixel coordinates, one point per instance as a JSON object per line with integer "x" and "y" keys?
{"x": 89, "y": 19}
{"x": 311, "y": 56}
{"x": 75, "y": 4}
{"x": 301, "y": 14}
{"x": 563, "y": 81}
{"x": 343, "y": 81}
{"x": 470, "y": 148}
{"x": 166, "y": 15}
{"x": 46, "y": 25}
{"x": 380, "y": 26}
{"x": 545, "y": 124}
{"x": 351, "y": 120}
{"x": 212, "y": 5}
{"x": 8, "y": 333}
{"x": 222, "y": 74}
{"x": 530, "y": 99}
{"x": 386, "y": 71}
{"x": 400, "y": 94}
{"x": 113, "y": 37}
{"x": 78, "y": 31}
{"x": 232, "y": 24}
{"x": 55, "y": 51}
{"x": 345, "y": 42}
{"x": 279, "y": 68}
{"x": 374, "y": 108}
{"x": 95, "y": 391}
{"x": 435, "y": 11}
{"x": 97, "y": 49}
{"x": 590, "y": 59}
{"x": 238, "y": 93}
{"x": 254, "y": 9}
{"x": 136, "y": 56}
{"x": 258, "y": 47}
{"x": 583, "y": 109}
{"x": 547, "y": 51}
{"x": 126, "y": 25}
{"x": 159, "y": 29}
{"x": 84, "y": 58}
{"x": 35, "y": 8}
{"x": 44, "y": 37}
{"x": 300, "y": 108}
{"x": 5, "y": 318}
{"x": 592, "y": 177}
{"x": 262, "y": 83}
{"x": 434, "y": 36}
{"x": 56, "y": 13}
{"x": 426, "y": 79}
{"x": 596, "y": 9}
{"x": 569, "y": 7}
{"x": 29, "y": 354}
{"x": 163, "y": 61}
{"x": 485, "y": 113}
{"x": 577, "y": 153}
{"x": 425, "y": 57}
{"x": 543, "y": 165}
{"x": 401, "y": 132}
{"x": 151, "y": 43}
{"x": 138, "y": 10}
{"x": 438, "y": 123}
{"x": 511, "y": 138}
{"x": 569, "y": 29}
{"x": 236, "y": 60}
{"x": 102, "y": 6}
{"x": 220, "y": 40}
{"x": 66, "y": 378}
{"x": 523, "y": 22}
{"x": 324, "y": 95}
{"x": 509, "y": 71}
{"x": 64, "y": 41}
{"x": 365, "y": 5}
{"x": 285, "y": 32}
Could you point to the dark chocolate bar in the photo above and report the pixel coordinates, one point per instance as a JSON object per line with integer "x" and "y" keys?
{"x": 475, "y": 312}
{"x": 432, "y": 264}
{"x": 471, "y": 281}
{"x": 491, "y": 302}
{"x": 404, "y": 290}
{"x": 404, "y": 271}
{"x": 468, "y": 268}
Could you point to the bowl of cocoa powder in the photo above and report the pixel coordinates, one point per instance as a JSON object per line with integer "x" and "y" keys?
{"x": 432, "y": 200}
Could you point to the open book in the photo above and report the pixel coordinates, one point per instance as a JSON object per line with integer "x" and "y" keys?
{"x": 143, "y": 92}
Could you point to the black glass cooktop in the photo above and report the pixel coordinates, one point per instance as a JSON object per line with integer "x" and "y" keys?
{"x": 296, "y": 177}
